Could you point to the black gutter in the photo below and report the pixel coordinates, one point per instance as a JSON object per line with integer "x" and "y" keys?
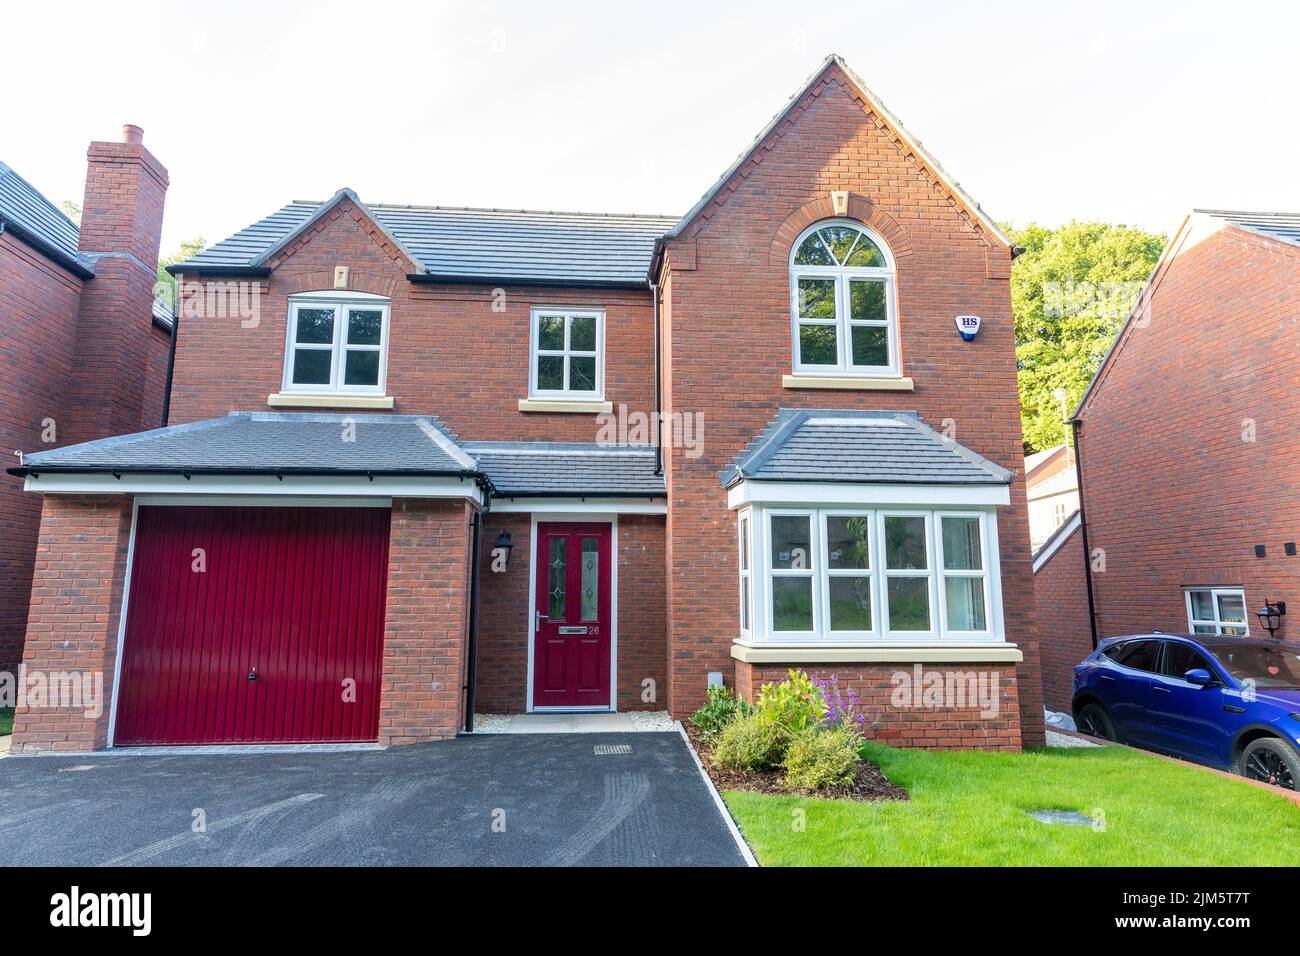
{"x": 30, "y": 238}
{"x": 582, "y": 496}
{"x": 428, "y": 278}
{"x": 659, "y": 425}
{"x": 171, "y": 359}
{"x": 1083, "y": 529}
{"x": 471, "y": 648}
{"x": 190, "y": 268}
{"x": 478, "y": 477}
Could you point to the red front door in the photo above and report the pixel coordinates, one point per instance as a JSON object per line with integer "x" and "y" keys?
{"x": 571, "y": 627}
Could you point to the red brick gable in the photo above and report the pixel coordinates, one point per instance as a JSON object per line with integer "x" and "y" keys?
{"x": 343, "y": 210}
{"x": 833, "y": 79}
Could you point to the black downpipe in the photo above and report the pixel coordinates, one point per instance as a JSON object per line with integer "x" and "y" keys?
{"x": 171, "y": 353}
{"x": 472, "y": 644}
{"x": 1083, "y": 530}
{"x": 659, "y": 445}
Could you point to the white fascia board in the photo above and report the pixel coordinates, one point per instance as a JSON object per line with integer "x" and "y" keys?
{"x": 345, "y": 486}
{"x": 818, "y": 493}
{"x": 623, "y": 506}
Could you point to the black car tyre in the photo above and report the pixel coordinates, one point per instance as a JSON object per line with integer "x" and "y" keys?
{"x": 1094, "y": 721}
{"x": 1272, "y": 761}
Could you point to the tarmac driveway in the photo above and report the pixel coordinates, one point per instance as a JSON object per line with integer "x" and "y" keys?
{"x": 491, "y": 800}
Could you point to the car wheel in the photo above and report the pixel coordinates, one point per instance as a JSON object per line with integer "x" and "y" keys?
{"x": 1272, "y": 761}
{"x": 1094, "y": 721}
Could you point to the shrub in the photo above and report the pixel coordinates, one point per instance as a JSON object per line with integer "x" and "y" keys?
{"x": 720, "y": 708}
{"x": 821, "y": 759}
{"x": 791, "y": 707}
{"x": 746, "y": 744}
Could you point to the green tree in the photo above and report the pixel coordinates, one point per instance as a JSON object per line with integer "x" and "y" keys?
{"x": 71, "y": 210}
{"x": 1071, "y": 290}
{"x": 165, "y": 287}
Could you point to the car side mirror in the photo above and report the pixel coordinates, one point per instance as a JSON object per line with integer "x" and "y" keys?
{"x": 1198, "y": 676}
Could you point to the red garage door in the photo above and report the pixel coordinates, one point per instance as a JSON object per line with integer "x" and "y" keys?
{"x": 254, "y": 625}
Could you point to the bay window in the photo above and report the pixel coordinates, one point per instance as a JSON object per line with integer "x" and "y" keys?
{"x": 851, "y": 576}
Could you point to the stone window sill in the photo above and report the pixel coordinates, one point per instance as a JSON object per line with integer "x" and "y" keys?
{"x": 930, "y": 654}
{"x": 848, "y": 384}
{"x": 565, "y": 406}
{"x": 290, "y": 400}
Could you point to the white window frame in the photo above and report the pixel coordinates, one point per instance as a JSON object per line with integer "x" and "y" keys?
{"x": 944, "y": 573}
{"x": 338, "y": 347}
{"x": 569, "y": 313}
{"x": 809, "y": 573}
{"x": 1218, "y": 623}
{"x": 843, "y": 321}
{"x": 745, "y": 567}
{"x": 761, "y": 572}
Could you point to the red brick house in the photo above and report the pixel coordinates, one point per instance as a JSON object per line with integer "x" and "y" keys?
{"x": 413, "y": 470}
{"x": 1190, "y": 491}
{"x": 85, "y": 346}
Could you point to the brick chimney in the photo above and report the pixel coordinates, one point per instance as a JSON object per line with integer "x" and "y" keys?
{"x": 121, "y": 227}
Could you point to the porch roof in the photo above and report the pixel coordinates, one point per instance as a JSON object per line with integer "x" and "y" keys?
{"x": 291, "y": 443}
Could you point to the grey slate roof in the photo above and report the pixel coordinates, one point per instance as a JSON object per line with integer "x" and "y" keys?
{"x": 530, "y": 469}
{"x": 245, "y": 442}
{"x": 41, "y": 221}
{"x": 264, "y": 441}
{"x": 858, "y": 446}
{"x": 1273, "y": 225}
{"x": 472, "y": 244}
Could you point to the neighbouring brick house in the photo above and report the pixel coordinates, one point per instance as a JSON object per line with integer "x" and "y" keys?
{"x": 1186, "y": 436}
{"x": 85, "y": 346}
{"x": 412, "y": 469}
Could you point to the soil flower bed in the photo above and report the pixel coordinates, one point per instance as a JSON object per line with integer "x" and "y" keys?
{"x": 869, "y": 784}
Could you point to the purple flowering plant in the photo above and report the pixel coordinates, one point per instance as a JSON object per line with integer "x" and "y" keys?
{"x": 844, "y": 708}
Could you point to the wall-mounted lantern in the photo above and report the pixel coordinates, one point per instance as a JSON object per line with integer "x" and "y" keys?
{"x": 501, "y": 552}
{"x": 1271, "y": 614}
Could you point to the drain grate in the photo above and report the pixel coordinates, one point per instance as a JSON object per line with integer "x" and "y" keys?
{"x": 1068, "y": 817}
{"x": 605, "y": 750}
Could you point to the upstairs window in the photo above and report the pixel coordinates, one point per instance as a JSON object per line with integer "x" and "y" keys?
{"x": 336, "y": 344}
{"x": 567, "y": 357}
{"x": 842, "y": 302}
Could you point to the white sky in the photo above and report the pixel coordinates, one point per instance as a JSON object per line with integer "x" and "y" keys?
{"x": 1122, "y": 111}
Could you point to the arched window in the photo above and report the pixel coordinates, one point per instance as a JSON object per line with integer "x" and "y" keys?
{"x": 842, "y": 302}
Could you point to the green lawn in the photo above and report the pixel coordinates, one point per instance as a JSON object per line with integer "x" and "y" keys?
{"x": 6, "y": 721}
{"x": 968, "y": 809}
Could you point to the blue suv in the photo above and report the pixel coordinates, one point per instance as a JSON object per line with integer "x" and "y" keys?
{"x": 1227, "y": 702}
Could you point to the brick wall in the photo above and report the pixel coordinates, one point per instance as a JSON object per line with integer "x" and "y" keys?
{"x": 970, "y": 715}
{"x": 76, "y": 605}
{"x": 1061, "y": 591}
{"x": 38, "y": 324}
{"x": 450, "y": 353}
{"x": 502, "y": 669}
{"x": 425, "y": 628}
{"x": 727, "y": 315}
{"x": 82, "y": 357}
{"x": 1189, "y": 445}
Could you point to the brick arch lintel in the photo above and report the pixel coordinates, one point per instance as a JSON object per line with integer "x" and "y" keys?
{"x": 359, "y": 280}
{"x": 860, "y": 208}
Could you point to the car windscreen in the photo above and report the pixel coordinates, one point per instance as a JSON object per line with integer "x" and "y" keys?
{"x": 1268, "y": 667}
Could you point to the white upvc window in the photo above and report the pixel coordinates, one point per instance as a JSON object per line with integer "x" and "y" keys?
{"x": 566, "y": 353}
{"x": 856, "y": 575}
{"x": 746, "y": 578}
{"x": 844, "y": 317}
{"x": 337, "y": 343}
{"x": 1217, "y": 611}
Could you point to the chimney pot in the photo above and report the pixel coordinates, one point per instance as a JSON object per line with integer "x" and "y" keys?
{"x": 132, "y": 134}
